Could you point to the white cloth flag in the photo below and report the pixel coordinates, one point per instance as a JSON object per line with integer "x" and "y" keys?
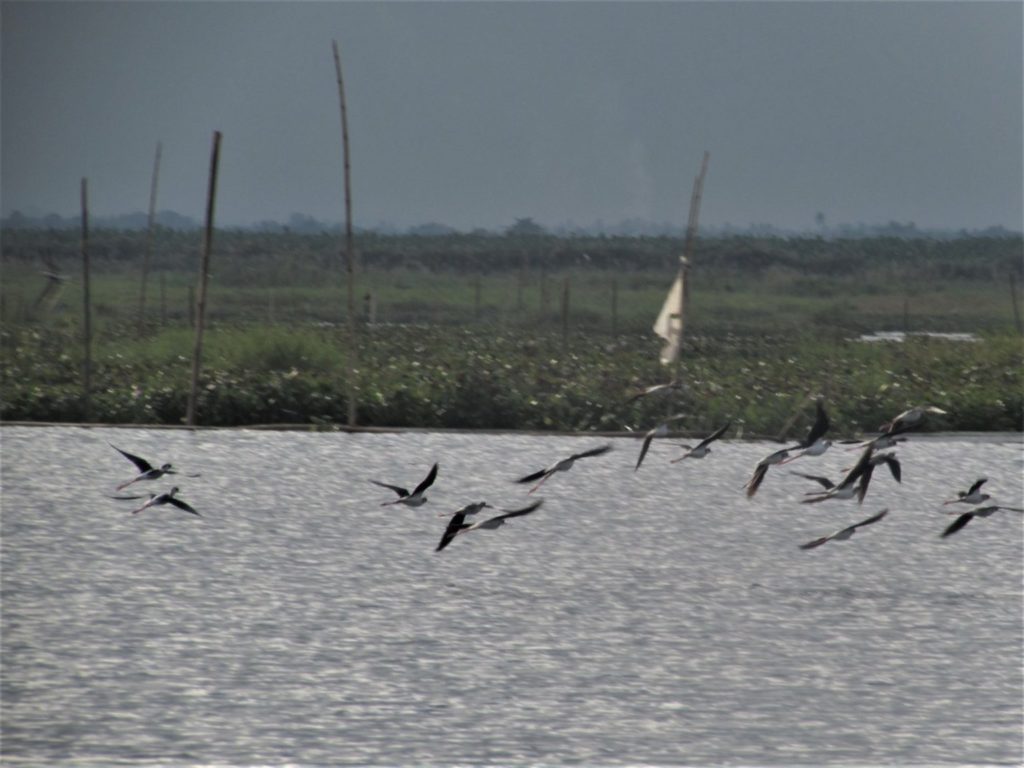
{"x": 669, "y": 324}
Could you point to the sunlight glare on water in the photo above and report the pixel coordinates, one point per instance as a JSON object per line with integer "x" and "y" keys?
{"x": 656, "y": 617}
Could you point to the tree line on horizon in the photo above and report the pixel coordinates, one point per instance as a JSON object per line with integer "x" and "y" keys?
{"x": 304, "y": 224}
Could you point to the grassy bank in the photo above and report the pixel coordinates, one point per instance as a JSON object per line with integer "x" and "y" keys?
{"x": 514, "y": 333}
{"x": 434, "y": 377}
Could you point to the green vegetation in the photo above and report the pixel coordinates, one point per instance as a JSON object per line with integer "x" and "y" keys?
{"x": 468, "y": 331}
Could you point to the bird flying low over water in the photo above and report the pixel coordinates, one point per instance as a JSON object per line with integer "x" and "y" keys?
{"x": 166, "y": 498}
{"x": 911, "y": 418}
{"x": 147, "y": 471}
{"x": 762, "y": 469}
{"x": 659, "y": 431}
{"x": 966, "y": 517}
{"x": 703, "y": 448}
{"x": 860, "y": 473}
{"x": 414, "y": 499}
{"x": 458, "y": 525}
{"x": 814, "y": 444}
{"x": 562, "y": 466}
{"x": 972, "y": 495}
{"x": 845, "y": 533}
{"x": 876, "y": 443}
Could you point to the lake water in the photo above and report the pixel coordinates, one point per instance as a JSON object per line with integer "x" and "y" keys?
{"x": 650, "y": 618}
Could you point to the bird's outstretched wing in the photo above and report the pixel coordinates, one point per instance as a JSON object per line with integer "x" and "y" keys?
{"x": 517, "y": 512}
{"x": 819, "y": 428}
{"x": 182, "y": 505}
{"x": 142, "y": 464}
{"x": 427, "y": 481}
{"x": 535, "y": 476}
{"x": 977, "y": 485}
{"x": 592, "y": 452}
{"x": 824, "y": 482}
{"x": 644, "y": 448}
{"x": 715, "y": 435}
{"x": 957, "y": 524}
{"x": 402, "y": 492}
{"x": 455, "y": 526}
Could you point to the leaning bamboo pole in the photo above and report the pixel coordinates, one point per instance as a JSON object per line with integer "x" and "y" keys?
{"x": 686, "y": 259}
{"x": 149, "y": 243}
{"x": 204, "y": 274}
{"x": 87, "y": 309}
{"x": 353, "y": 349}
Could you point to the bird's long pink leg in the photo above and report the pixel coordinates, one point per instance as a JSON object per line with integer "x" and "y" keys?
{"x": 538, "y": 485}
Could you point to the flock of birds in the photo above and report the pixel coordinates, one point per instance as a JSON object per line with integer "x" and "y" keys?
{"x": 853, "y": 484}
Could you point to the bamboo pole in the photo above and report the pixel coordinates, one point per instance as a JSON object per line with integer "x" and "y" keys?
{"x": 149, "y": 243}
{"x": 353, "y": 349}
{"x": 615, "y": 306}
{"x": 163, "y": 299}
{"x": 87, "y": 309}
{"x": 1016, "y": 307}
{"x": 565, "y": 310}
{"x": 685, "y": 261}
{"x": 204, "y": 275}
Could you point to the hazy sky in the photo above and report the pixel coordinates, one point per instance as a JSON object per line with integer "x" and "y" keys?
{"x": 477, "y": 113}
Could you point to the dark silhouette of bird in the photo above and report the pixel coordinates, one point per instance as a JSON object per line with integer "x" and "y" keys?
{"x": 458, "y": 525}
{"x": 414, "y": 499}
{"x": 844, "y": 533}
{"x": 659, "y": 431}
{"x": 703, "y": 448}
{"x": 561, "y": 466}
{"x": 146, "y": 470}
{"x": 966, "y": 517}
{"x": 972, "y": 495}
{"x": 166, "y": 498}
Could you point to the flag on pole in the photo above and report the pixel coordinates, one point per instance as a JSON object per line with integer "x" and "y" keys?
{"x": 669, "y": 324}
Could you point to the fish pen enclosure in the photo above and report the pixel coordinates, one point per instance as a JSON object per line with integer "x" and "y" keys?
{"x": 562, "y": 322}
{"x": 614, "y": 284}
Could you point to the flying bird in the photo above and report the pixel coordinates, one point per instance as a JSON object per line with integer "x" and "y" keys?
{"x": 876, "y": 443}
{"x": 845, "y": 533}
{"x": 861, "y": 471}
{"x": 911, "y": 418}
{"x": 147, "y": 471}
{"x": 166, "y": 498}
{"x": 890, "y": 460}
{"x": 762, "y": 469}
{"x": 972, "y": 495}
{"x": 458, "y": 525}
{"x": 562, "y": 466}
{"x": 966, "y": 517}
{"x": 703, "y": 448}
{"x": 414, "y": 499}
{"x": 659, "y": 431}
{"x": 655, "y": 389}
{"x": 814, "y": 444}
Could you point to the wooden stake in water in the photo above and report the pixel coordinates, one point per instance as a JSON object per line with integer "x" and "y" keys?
{"x": 204, "y": 274}
{"x": 353, "y": 362}
{"x": 149, "y": 244}
{"x": 87, "y": 308}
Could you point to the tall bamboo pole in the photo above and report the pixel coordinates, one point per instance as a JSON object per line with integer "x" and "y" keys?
{"x": 204, "y": 275}
{"x": 353, "y": 366}
{"x": 685, "y": 260}
{"x": 1016, "y": 308}
{"x": 87, "y": 309}
{"x": 149, "y": 243}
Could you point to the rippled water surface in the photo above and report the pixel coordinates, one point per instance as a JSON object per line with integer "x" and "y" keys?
{"x": 657, "y": 617}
